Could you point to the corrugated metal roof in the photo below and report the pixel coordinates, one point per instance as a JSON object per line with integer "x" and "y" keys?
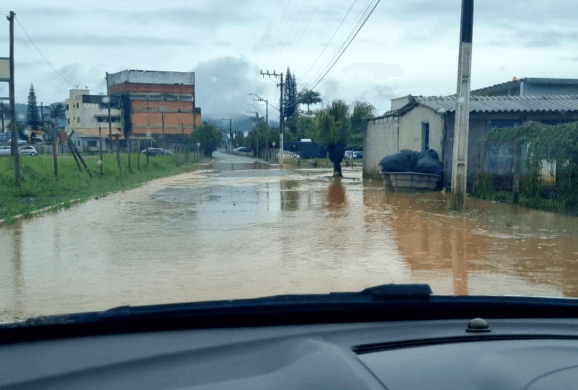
{"x": 516, "y": 84}
{"x": 491, "y": 104}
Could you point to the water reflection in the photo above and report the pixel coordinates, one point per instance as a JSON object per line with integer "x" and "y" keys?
{"x": 290, "y": 195}
{"x": 214, "y": 234}
{"x": 335, "y": 201}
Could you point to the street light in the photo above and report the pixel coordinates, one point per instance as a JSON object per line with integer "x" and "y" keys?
{"x": 260, "y": 99}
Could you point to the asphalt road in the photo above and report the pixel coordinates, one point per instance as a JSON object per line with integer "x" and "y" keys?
{"x": 232, "y": 158}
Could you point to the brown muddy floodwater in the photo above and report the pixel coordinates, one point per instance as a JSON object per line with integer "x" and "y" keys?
{"x": 216, "y": 234}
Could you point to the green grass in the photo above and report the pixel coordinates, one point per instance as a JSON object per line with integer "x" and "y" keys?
{"x": 536, "y": 202}
{"x": 41, "y": 189}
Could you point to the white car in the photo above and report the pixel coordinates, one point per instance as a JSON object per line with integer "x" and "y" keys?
{"x": 5, "y": 151}
{"x": 20, "y": 141}
{"x": 28, "y": 150}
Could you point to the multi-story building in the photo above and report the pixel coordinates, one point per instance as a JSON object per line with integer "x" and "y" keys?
{"x": 155, "y": 104}
{"x": 85, "y": 114}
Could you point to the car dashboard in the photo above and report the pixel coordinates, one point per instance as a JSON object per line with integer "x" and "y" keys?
{"x": 396, "y": 355}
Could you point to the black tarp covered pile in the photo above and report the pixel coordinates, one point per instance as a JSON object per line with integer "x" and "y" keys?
{"x": 410, "y": 161}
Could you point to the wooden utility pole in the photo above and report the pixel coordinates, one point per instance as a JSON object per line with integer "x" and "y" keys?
{"x": 281, "y": 119}
{"x": 231, "y": 132}
{"x": 163, "y": 120}
{"x": 129, "y": 147}
{"x": 15, "y": 151}
{"x": 80, "y": 158}
{"x": 118, "y": 152}
{"x": 110, "y": 126}
{"x": 138, "y": 152}
{"x": 100, "y": 149}
{"x": 260, "y": 99}
{"x": 54, "y": 152}
{"x": 462, "y": 116}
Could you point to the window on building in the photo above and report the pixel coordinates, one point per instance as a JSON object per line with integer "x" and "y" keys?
{"x": 91, "y": 144}
{"x": 425, "y": 136}
{"x": 67, "y": 107}
{"x": 78, "y": 120}
{"x": 68, "y": 120}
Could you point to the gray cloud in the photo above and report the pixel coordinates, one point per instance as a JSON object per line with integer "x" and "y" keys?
{"x": 223, "y": 83}
{"x": 99, "y": 40}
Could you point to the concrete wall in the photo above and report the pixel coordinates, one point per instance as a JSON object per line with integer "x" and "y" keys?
{"x": 151, "y": 77}
{"x": 410, "y": 130}
{"x": 387, "y": 135}
{"x": 380, "y": 138}
{"x": 166, "y": 91}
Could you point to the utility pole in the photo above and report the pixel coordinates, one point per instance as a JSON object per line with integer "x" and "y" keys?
{"x": 281, "y": 122}
{"x": 110, "y": 126}
{"x": 15, "y": 151}
{"x": 163, "y": 120}
{"x": 260, "y": 99}
{"x": 100, "y": 149}
{"x": 231, "y": 131}
{"x": 462, "y": 116}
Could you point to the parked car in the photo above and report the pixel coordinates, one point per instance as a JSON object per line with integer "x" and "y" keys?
{"x": 155, "y": 151}
{"x": 5, "y": 151}
{"x": 242, "y": 149}
{"x": 20, "y": 141}
{"x": 357, "y": 154}
{"x": 28, "y": 150}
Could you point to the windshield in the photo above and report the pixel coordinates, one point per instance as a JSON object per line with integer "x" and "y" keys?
{"x": 212, "y": 150}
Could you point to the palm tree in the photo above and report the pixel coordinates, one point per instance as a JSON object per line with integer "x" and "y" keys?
{"x": 332, "y": 127}
{"x": 362, "y": 112}
{"x": 56, "y": 111}
{"x": 307, "y": 96}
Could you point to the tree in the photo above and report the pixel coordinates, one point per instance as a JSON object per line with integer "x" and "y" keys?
{"x": 239, "y": 138}
{"x": 208, "y": 136}
{"x": 55, "y": 112}
{"x": 32, "y": 118}
{"x": 308, "y": 97}
{"x": 361, "y": 113}
{"x": 5, "y": 112}
{"x": 290, "y": 101}
{"x": 332, "y": 128}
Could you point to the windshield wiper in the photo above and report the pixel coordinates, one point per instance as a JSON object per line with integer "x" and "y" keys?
{"x": 380, "y": 303}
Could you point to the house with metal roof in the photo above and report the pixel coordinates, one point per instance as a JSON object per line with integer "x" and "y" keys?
{"x": 528, "y": 86}
{"x": 427, "y": 122}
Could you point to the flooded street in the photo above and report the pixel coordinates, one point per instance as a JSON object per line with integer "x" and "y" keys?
{"x": 228, "y": 233}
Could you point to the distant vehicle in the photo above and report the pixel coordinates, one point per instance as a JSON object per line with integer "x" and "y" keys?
{"x": 306, "y": 149}
{"x": 20, "y": 141}
{"x": 37, "y": 140}
{"x": 357, "y": 154}
{"x": 155, "y": 151}
{"x": 5, "y": 151}
{"x": 28, "y": 150}
{"x": 349, "y": 154}
{"x": 242, "y": 149}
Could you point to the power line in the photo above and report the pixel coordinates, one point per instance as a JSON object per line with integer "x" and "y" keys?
{"x": 343, "y": 42}
{"x": 42, "y": 55}
{"x": 349, "y": 43}
{"x": 309, "y": 21}
{"x": 330, "y": 39}
{"x": 283, "y": 17}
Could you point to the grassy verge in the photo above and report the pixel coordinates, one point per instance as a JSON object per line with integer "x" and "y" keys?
{"x": 41, "y": 189}
{"x": 536, "y": 202}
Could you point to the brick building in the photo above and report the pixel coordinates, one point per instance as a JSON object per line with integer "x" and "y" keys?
{"x": 154, "y": 104}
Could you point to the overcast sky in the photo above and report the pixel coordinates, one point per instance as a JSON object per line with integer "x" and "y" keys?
{"x": 408, "y": 46}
